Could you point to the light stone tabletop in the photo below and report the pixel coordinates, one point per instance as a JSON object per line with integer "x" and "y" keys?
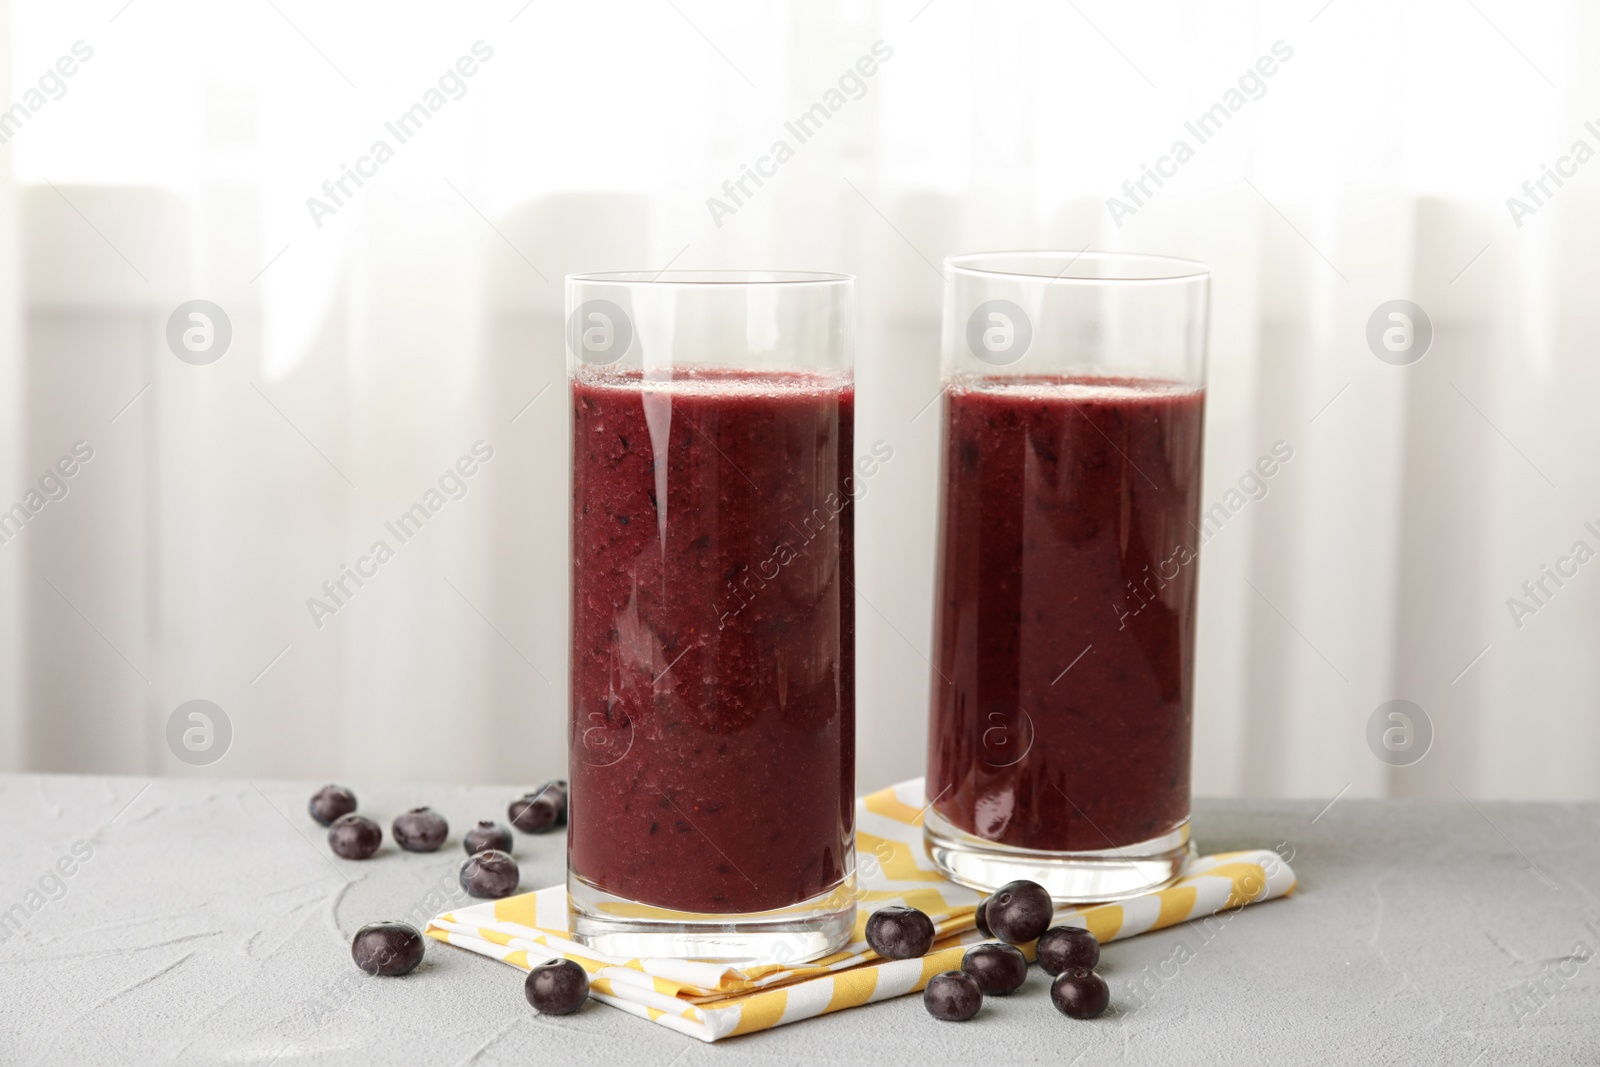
{"x": 206, "y": 922}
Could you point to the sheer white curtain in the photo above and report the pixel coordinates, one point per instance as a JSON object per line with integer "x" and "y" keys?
{"x": 1340, "y": 156}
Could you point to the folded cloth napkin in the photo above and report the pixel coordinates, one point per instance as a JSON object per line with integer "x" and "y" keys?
{"x": 711, "y": 1001}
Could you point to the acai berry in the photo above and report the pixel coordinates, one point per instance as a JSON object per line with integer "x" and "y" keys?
{"x": 557, "y": 988}
{"x": 420, "y": 830}
{"x": 899, "y": 933}
{"x": 952, "y": 996}
{"x": 490, "y": 874}
{"x": 487, "y": 834}
{"x": 540, "y": 811}
{"x": 330, "y": 802}
{"x": 1019, "y": 911}
{"x": 354, "y": 837}
{"x": 387, "y": 948}
{"x": 1080, "y": 993}
{"x": 1062, "y": 948}
{"x": 999, "y": 969}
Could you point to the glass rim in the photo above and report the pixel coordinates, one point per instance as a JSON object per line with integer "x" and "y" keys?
{"x": 713, "y": 277}
{"x": 1139, "y": 266}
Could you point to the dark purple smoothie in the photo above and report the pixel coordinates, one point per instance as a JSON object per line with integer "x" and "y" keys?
{"x": 1064, "y": 623}
{"x": 713, "y": 639}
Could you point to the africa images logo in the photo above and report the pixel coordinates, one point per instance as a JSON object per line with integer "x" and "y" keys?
{"x": 599, "y": 332}
{"x": 999, "y": 332}
{"x": 1399, "y": 332}
{"x": 199, "y": 332}
{"x": 199, "y": 732}
{"x": 1399, "y": 733}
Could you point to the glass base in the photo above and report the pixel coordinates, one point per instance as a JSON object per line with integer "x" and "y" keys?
{"x": 798, "y": 933}
{"x": 1070, "y": 877}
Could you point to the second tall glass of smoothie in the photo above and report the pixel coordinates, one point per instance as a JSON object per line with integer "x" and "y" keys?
{"x": 1061, "y": 717}
{"x": 712, "y": 741}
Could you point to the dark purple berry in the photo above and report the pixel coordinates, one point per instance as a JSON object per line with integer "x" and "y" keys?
{"x": 952, "y": 996}
{"x": 1061, "y": 948}
{"x": 999, "y": 969}
{"x": 355, "y": 837}
{"x": 982, "y": 919}
{"x": 557, "y": 988}
{"x": 388, "y": 949}
{"x": 330, "y": 802}
{"x": 420, "y": 830}
{"x": 540, "y": 811}
{"x": 1080, "y": 993}
{"x": 490, "y": 874}
{"x": 533, "y": 814}
{"x": 899, "y": 933}
{"x": 1019, "y": 911}
{"x": 486, "y": 835}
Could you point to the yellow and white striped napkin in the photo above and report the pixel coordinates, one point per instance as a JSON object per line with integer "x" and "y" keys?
{"x": 711, "y": 1001}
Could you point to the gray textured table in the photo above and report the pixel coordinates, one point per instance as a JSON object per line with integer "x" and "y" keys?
{"x": 209, "y": 924}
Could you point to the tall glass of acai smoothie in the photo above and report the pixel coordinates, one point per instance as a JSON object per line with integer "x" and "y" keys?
{"x": 1064, "y": 621}
{"x": 712, "y": 679}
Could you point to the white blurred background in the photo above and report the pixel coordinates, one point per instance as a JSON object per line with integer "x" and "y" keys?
{"x": 424, "y": 315}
